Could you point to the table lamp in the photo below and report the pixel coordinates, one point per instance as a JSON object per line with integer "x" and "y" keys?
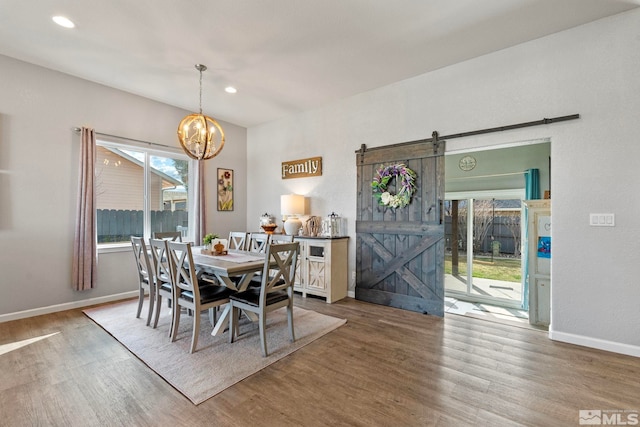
{"x": 292, "y": 205}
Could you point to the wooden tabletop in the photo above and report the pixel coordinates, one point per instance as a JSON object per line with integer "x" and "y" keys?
{"x": 233, "y": 264}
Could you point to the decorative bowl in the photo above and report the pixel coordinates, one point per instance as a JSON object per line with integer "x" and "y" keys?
{"x": 269, "y": 228}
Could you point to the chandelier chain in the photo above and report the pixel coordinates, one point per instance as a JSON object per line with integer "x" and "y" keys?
{"x": 200, "y": 90}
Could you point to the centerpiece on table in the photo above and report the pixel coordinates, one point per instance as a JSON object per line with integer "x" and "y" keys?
{"x": 213, "y": 246}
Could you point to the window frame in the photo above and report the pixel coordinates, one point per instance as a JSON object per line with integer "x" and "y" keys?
{"x": 149, "y": 151}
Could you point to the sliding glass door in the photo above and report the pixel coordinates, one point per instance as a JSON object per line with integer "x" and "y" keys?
{"x": 483, "y": 235}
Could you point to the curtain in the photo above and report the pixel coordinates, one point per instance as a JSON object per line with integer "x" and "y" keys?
{"x": 199, "y": 204}
{"x": 532, "y": 184}
{"x": 84, "y": 245}
{"x": 532, "y": 192}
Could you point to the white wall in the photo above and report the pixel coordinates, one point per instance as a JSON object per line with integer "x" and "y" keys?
{"x": 499, "y": 169}
{"x": 591, "y": 70}
{"x": 38, "y": 181}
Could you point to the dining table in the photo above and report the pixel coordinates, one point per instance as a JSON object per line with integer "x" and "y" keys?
{"x": 233, "y": 264}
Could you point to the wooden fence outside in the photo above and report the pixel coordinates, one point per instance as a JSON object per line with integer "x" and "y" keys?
{"x": 501, "y": 233}
{"x": 118, "y": 225}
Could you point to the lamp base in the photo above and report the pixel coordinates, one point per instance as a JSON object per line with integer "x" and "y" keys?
{"x": 292, "y": 225}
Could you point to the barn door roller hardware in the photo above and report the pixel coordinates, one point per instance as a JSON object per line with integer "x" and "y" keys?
{"x": 436, "y": 142}
{"x": 363, "y": 148}
{"x": 511, "y": 127}
{"x": 436, "y": 139}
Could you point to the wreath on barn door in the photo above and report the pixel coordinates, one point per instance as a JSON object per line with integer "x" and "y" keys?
{"x": 384, "y": 175}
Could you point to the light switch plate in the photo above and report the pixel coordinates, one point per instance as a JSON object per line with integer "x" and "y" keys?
{"x": 602, "y": 220}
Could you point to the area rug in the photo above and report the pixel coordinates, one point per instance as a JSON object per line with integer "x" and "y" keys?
{"x": 216, "y": 365}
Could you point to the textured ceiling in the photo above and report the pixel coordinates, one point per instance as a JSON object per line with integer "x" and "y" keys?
{"x": 283, "y": 56}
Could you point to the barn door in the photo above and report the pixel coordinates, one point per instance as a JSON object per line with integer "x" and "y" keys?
{"x": 400, "y": 252}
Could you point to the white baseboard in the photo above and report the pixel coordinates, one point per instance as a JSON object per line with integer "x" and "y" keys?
{"x": 66, "y": 306}
{"x": 615, "y": 347}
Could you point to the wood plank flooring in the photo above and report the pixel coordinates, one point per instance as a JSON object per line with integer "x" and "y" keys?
{"x": 385, "y": 367}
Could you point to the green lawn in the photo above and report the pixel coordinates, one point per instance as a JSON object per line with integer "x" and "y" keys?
{"x": 507, "y": 269}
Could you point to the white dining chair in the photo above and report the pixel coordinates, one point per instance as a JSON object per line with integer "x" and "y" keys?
{"x": 190, "y": 292}
{"x": 281, "y": 238}
{"x": 237, "y": 240}
{"x": 258, "y": 242}
{"x": 164, "y": 277}
{"x": 275, "y": 291}
{"x": 146, "y": 276}
{"x": 274, "y": 239}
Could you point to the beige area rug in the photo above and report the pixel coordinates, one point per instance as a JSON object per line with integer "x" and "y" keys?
{"x": 216, "y": 364}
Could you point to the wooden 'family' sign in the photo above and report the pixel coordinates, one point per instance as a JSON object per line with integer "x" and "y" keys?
{"x": 302, "y": 168}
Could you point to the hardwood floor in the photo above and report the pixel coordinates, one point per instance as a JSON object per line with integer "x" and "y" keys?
{"x": 385, "y": 367}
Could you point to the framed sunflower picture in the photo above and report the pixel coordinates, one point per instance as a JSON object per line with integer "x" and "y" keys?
{"x": 225, "y": 189}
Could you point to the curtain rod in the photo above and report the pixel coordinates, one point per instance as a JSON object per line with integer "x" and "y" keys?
{"x": 77, "y": 130}
{"x": 478, "y": 132}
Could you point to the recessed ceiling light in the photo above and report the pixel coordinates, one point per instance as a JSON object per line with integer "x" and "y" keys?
{"x": 63, "y": 21}
{"x": 230, "y": 89}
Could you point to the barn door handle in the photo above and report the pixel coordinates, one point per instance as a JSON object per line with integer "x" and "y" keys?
{"x": 441, "y": 202}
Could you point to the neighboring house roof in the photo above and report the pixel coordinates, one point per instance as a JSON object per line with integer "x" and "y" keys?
{"x": 176, "y": 182}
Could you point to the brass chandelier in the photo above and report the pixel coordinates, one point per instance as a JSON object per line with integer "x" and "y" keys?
{"x": 200, "y": 136}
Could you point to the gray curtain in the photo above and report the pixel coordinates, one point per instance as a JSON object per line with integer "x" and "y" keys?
{"x": 199, "y": 204}
{"x": 84, "y": 246}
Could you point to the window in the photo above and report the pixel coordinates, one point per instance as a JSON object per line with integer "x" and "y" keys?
{"x": 140, "y": 191}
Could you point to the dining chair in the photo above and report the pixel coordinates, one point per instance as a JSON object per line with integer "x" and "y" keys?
{"x": 164, "y": 277}
{"x": 190, "y": 292}
{"x": 174, "y": 236}
{"x": 273, "y": 239}
{"x": 281, "y": 238}
{"x": 146, "y": 277}
{"x": 237, "y": 240}
{"x": 275, "y": 291}
{"x": 258, "y": 242}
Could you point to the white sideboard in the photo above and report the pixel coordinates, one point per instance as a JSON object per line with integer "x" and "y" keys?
{"x": 322, "y": 267}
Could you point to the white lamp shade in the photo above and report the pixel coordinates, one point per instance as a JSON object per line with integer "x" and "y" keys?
{"x": 292, "y": 204}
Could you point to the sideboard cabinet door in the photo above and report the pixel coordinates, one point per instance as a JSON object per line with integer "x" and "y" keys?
{"x": 322, "y": 268}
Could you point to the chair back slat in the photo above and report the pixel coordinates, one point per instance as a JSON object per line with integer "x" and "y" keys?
{"x": 174, "y": 236}
{"x": 276, "y": 239}
{"x": 258, "y": 242}
{"x": 281, "y": 238}
{"x": 162, "y": 266}
{"x": 237, "y": 240}
{"x": 145, "y": 270}
{"x": 281, "y": 276}
{"x": 186, "y": 277}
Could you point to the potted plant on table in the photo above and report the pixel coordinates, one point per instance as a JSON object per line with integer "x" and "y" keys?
{"x": 208, "y": 239}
